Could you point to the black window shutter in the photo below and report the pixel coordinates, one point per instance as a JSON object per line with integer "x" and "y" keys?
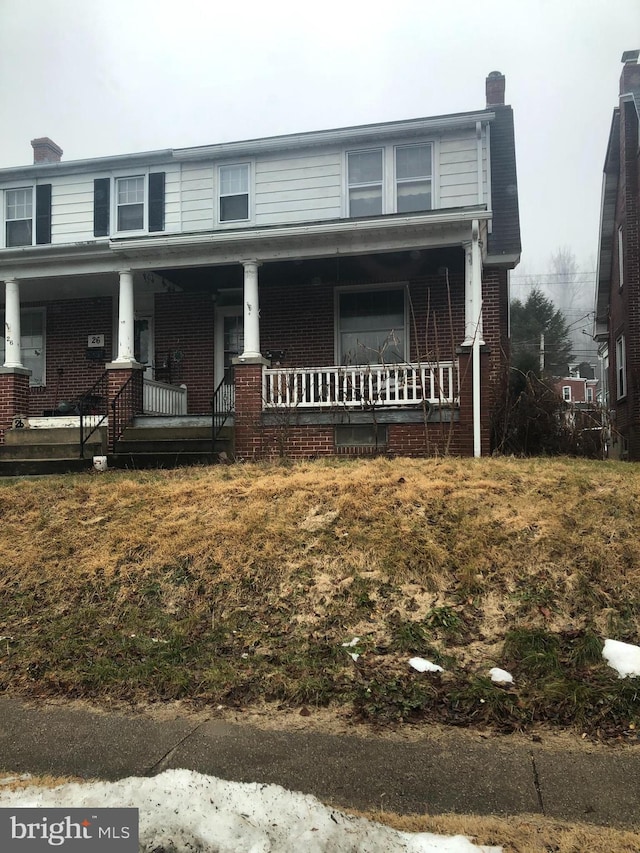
{"x": 156, "y": 201}
{"x": 101, "y": 187}
{"x": 43, "y": 213}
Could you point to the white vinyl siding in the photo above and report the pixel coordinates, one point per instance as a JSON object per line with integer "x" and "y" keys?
{"x": 197, "y": 196}
{"x": 458, "y": 171}
{"x": 72, "y": 209}
{"x": 298, "y": 189}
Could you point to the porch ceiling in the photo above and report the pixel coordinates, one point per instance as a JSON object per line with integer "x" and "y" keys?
{"x": 215, "y": 248}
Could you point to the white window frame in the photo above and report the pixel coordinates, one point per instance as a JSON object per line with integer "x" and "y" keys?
{"x": 566, "y": 393}
{"x": 620, "y": 257}
{"x": 589, "y": 394}
{"x": 233, "y": 223}
{"x": 114, "y": 204}
{"x": 360, "y": 185}
{"x": 5, "y": 219}
{"x": 621, "y": 368}
{"x": 365, "y": 288}
{"x": 23, "y": 312}
{"x": 424, "y": 179}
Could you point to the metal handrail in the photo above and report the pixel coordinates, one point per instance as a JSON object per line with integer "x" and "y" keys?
{"x": 124, "y": 401}
{"x": 222, "y": 405}
{"x": 94, "y": 398}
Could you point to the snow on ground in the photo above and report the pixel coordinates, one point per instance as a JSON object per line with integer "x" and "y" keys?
{"x": 185, "y": 811}
{"x": 500, "y": 676}
{"x": 623, "y": 657}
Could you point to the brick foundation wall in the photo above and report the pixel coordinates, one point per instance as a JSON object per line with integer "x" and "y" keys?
{"x": 247, "y": 419}
{"x": 14, "y": 399}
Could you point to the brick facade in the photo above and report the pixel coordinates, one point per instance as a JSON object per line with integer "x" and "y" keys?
{"x": 14, "y": 397}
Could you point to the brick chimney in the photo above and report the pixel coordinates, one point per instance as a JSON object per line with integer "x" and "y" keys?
{"x": 46, "y": 151}
{"x": 630, "y": 77}
{"x": 495, "y": 89}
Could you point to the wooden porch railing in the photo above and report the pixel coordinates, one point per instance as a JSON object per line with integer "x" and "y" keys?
{"x": 160, "y": 398}
{"x": 388, "y": 385}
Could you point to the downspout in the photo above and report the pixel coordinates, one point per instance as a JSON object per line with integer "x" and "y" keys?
{"x": 476, "y": 273}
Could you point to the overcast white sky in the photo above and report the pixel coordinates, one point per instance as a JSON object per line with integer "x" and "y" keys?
{"x": 115, "y": 77}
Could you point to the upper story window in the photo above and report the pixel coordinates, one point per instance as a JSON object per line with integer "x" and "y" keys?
{"x": 589, "y": 394}
{"x": 130, "y": 203}
{"x": 365, "y": 182}
{"x": 620, "y": 257}
{"x": 566, "y": 393}
{"x": 234, "y": 193}
{"x": 27, "y": 216}
{"x": 393, "y": 179}
{"x": 413, "y": 178}
{"x": 19, "y": 217}
{"x": 621, "y": 368}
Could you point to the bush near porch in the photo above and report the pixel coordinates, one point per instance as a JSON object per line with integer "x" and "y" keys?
{"x": 239, "y": 585}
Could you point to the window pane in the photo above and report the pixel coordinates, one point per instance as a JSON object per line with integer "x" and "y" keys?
{"x": 234, "y": 179}
{"x": 372, "y": 327}
{"x": 365, "y": 201}
{"x": 19, "y": 203}
{"x": 130, "y": 217}
{"x": 19, "y": 232}
{"x": 365, "y": 167}
{"x": 234, "y": 207}
{"x": 413, "y": 196}
{"x": 131, "y": 190}
{"x": 413, "y": 161}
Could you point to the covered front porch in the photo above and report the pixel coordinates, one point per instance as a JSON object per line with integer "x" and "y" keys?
{"x": 368, "y": 337}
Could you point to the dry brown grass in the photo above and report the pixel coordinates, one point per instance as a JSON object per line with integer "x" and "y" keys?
{"x": 283, "y": 563}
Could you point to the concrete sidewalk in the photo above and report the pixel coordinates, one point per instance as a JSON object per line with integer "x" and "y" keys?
{"x": 457, "y": 773}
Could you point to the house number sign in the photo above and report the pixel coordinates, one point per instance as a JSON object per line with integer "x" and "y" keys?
{"x": 95, "y": 341}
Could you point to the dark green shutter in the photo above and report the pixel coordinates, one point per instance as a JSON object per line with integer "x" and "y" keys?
{"x": 43, "y": 213}
{"x": 101, "y": 188}
{"x": 156, "y": 201}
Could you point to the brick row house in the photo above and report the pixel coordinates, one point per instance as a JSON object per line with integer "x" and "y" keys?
{"x": 618, "y": 277}
{"x": 341, "y": 291}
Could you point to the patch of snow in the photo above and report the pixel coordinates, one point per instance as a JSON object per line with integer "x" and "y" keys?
{"x": 351, "y": 643}
{"x": 423, "y": 665}
{"x": 354, "y": 656}
{"x": 500, "y": 676}
{"x": 185, "y": 811}
{"x": 623, "y": 657}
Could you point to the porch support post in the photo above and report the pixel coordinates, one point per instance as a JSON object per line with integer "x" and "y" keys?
{"x": 126, "y": 345}
{"x": 476, "y": 276}
{"x": 12, "y": 346}
{"x": 251, "y": 312}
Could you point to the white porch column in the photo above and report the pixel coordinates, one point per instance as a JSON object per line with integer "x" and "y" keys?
{"x": 251, "y": 311}
{"x": 476, "y": 276}
{"x": 126, "y": 344}
{"x": 12, "y": 347}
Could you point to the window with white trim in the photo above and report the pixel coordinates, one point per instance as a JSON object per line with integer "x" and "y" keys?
{"x": 413, "y": 178}
{"x": 620, "y": 257}
{"x": 233, "y": 194}
{"x": 621, "y": 368}
{"x": 130, "y": 194}
{"x": 365, "y": 182}
{"x": 371, "y": 326}
{"x": 566, "y": 393}
{"x": 589, "y": 394}
{"x": 32, "y": 344}
{"x": 19, "y": 217}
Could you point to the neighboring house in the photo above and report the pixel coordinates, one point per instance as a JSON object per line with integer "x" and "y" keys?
{"x": 339, "y": 291}
{"x": 618, "y": 290}
{"x": 577, "y": 391}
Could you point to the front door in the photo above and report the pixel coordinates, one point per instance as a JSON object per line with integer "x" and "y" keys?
{"x": 229, "y": 340}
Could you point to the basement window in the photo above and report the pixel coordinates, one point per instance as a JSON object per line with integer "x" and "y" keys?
{"x": 370, "y": 436}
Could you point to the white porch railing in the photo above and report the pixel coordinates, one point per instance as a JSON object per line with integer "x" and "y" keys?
{"x": 159, "y": 398}
{"x": 368, "y": 385}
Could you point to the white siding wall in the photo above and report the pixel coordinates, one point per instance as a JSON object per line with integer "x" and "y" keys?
{"x": 197, "y": 196}
{"x": 458, "y": 170}
{"x": 298, "y": 189}
{"x": 71, "y": 208}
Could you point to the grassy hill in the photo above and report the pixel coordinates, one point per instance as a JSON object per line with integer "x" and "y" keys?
{"x": 239, "y": 584}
